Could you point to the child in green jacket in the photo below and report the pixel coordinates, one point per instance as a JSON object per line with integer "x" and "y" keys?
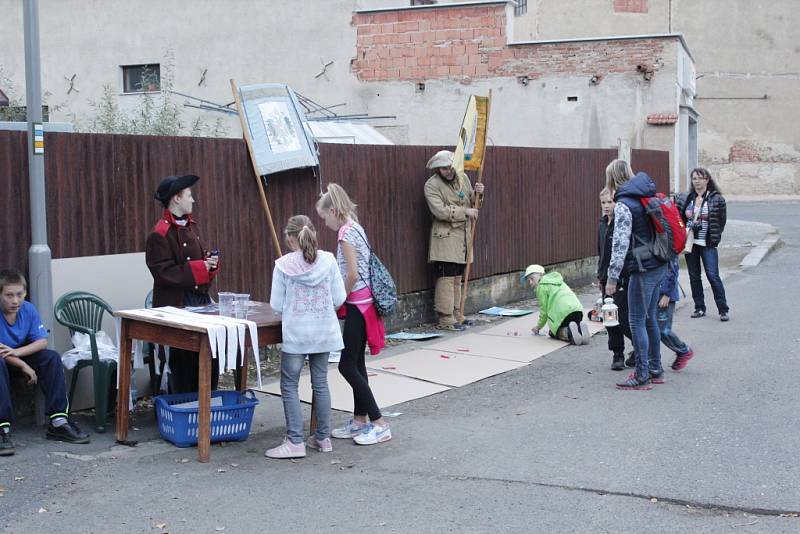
{"x": 559, "y": 308}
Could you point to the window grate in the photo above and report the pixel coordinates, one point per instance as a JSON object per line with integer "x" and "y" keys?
{"x": 521, "y": 8}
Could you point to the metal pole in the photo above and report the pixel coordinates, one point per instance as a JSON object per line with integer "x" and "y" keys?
{"x": 40, "y": 278}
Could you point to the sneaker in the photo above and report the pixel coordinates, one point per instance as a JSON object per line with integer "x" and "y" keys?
{"x": 657, "y": 377}
{"x": 618, "y": 364}
{"x": 348, "y": 431}
{"x": 724, "y": 317}
{"x": 681, "y": 360}
{"x": 6, "y": 446}
{"x": 698, "y": 313}
{"x": 287, "y": 449}
{"x": 68, "y": 432}
{"x": 632, "y": 382}
{"x": 466, "y": 323}
{"x": 372, "y": 434}
{"x": 575, "y": 333}
{"x": 321, "y": 445}
{"x": 585, "y": 336}
{"x": 631, "y": 361}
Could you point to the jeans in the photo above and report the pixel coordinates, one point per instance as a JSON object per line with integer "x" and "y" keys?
{"x": 291, "y": 366}
{"x": 353, "y": 367}
{"x": 50, "y": 378}
{"x": 668, "y": 337}
{"x": 643, "y": 295}
{"x": 710, "y": 259}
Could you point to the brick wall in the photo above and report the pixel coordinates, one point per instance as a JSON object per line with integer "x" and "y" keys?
{"x": 744, "y": 151}
{"x": 630, "y": 6}
{"x": 470, "y": 42}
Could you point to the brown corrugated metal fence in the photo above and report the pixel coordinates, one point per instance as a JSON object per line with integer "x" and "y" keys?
{"x": 541, "y": 203}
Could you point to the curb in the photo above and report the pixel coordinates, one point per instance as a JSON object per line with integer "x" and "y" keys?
{"x": 769, "y": 244}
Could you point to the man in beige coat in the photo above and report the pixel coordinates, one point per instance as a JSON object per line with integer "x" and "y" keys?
{"x": 450, "y": 198}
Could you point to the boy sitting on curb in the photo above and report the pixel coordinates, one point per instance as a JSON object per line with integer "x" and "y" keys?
{"x": 559, "y": 308}
{"x": 23, "y": 349}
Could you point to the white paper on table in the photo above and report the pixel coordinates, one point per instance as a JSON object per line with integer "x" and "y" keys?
{"x": 216, "y": 326}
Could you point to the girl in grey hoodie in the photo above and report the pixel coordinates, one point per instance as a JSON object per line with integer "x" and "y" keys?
{"x": 307, "y": 288}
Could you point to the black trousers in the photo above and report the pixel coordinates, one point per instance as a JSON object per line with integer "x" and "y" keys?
{"x": 574, "y": 317}
{"x": 617, "y": 334}
{"x": 184, "y": 365}
{"x": 446, "y": 268}
{"x": 353, "y": 367}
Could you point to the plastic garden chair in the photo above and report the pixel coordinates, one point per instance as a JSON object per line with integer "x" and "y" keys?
{"x": 83, "y": 312}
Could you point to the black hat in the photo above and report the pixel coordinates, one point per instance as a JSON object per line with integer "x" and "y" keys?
{"x": 172, "y": 185}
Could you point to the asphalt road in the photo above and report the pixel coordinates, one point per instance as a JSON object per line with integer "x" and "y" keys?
{"x": 551, "y": 447}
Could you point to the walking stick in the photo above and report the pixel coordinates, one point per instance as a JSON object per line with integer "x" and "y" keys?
{"x": 476, "y": 203}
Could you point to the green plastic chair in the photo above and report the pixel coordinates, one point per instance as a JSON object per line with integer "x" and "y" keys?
{"x": 83, "y": 312}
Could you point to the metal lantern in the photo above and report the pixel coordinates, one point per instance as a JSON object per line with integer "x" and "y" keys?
{"x": 610, "y": 313}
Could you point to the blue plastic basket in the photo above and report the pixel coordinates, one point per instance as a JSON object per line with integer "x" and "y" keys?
{"x": 229, "y": 422}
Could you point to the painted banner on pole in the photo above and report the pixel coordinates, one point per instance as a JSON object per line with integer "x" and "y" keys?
{"x": 471, "y": 143}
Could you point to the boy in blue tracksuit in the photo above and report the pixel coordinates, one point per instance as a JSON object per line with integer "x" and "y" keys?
{"x": 23, "y": 350}
{"x": 666, "y": 307}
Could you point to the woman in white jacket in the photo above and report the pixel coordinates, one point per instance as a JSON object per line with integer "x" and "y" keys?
{"x": 307, "y": 288}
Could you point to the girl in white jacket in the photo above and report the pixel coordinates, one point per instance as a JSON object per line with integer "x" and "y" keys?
{"x": 307, "y": 288}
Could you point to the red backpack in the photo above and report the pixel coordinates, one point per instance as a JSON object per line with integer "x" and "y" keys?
{"x": 669, "y": 229}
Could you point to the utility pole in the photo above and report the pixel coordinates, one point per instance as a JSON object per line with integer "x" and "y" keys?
{"x": 40, "y": 277}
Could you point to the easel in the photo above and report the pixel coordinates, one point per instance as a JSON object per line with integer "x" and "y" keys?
{"x": 263, "y": 194}
{"x": 476, "y": 203}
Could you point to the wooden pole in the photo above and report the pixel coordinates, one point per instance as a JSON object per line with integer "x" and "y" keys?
{"x": 276, "y": 243}
{"x": 246, "y": 131}
{"x": 476, "y": 203}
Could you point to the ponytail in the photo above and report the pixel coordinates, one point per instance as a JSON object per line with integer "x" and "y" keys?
{"x": 301, "y": 228}
{"x": 336, "y": 198}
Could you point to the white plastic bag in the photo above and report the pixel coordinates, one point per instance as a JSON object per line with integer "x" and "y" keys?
{"x": 83, "y": 350}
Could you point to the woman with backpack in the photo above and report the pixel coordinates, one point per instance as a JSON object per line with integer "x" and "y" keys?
{"x": 632, "y": 253}
{"x": 362, "y": 323}
{"x": 705, "y": 213}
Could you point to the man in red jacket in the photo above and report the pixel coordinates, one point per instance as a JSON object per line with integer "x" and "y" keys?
{"x": 182, "y": 271}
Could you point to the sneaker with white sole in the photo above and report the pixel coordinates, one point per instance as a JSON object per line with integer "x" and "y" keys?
{"x": 350, "y": 430}
{"x": 575, "y": 333}
{"x": 321, "y": 445}
{"x": 287, "y": 449}
{"x": 585, "y": 336}
{"x": 372, "y": 434}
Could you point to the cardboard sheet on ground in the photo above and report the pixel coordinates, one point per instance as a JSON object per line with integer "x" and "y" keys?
{"x": 448, "y": 368}
{"x": 413, "y": 336}
{"x": 504, "y": 312}
{"x": 389, "y": 389}
{"x": 521, "y": 327}
{"x": 517, "y": 349}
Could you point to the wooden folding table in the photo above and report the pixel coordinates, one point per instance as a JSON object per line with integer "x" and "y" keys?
{"x": 171, "y": 332}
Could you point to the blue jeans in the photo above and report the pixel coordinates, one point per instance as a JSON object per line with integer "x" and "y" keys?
{"x": 50, "y": 378}
{"x": 291, "y": 367}
{"x": 668, "y": 337}
{"x": 710, "y": 259}
{"x": 643, "y": 294}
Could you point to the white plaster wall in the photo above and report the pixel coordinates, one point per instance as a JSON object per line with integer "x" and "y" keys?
{"x": 252, "y": 42}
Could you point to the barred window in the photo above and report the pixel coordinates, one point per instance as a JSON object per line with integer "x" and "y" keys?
{"x": 521, "y": 8}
